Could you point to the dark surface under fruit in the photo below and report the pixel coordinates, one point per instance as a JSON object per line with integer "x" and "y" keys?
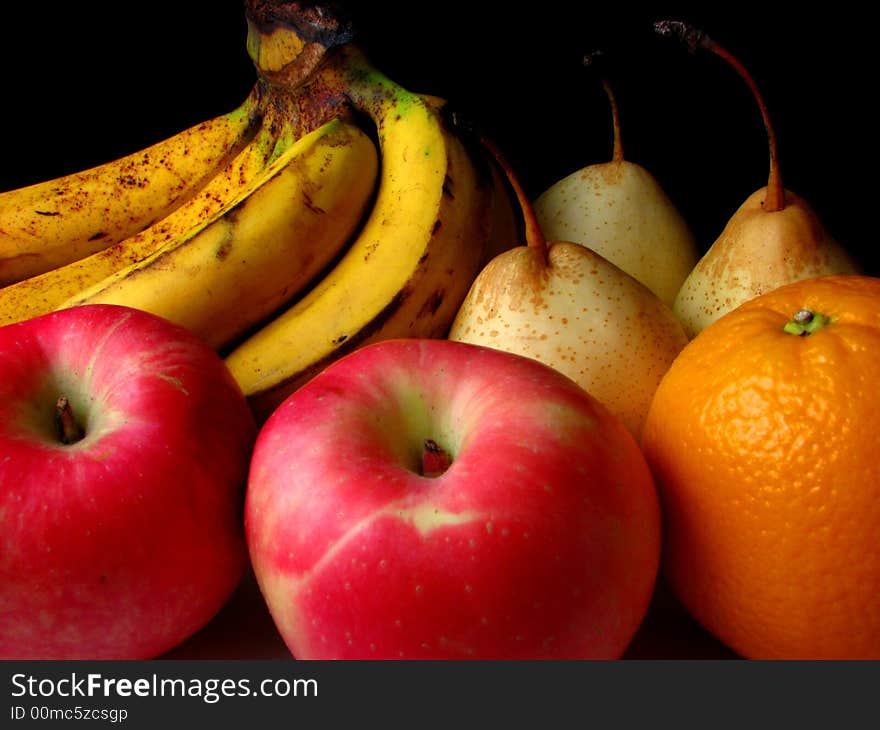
{"x": 244, "y": 630}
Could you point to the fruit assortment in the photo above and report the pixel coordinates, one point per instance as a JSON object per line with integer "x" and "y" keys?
{"x": 328, "y": 337}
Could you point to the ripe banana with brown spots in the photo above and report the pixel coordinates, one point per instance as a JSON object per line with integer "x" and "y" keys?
{"x": 239, "y": 269}
{"x": 51, "y": 223}
{"x": 412, "y": 263}
{"x": 239, "y": 178}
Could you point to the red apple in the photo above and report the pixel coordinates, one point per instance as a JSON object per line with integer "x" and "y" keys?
{"x": 538, "y": 536}
{"x": 129, "y": 538}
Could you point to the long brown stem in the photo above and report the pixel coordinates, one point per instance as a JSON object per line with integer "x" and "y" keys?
{"x": 534, "y": 235}
{"x": 698, "y": 39}
{"x": 617, "y": 150}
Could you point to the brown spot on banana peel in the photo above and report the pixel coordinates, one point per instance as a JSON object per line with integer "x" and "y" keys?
{"x": 432, "y": 304}
{"x": 222, "y": 252}
{"x": 131, "y": 181}
{"x": 316, "y": 209}
{"x": 447, "y": 188}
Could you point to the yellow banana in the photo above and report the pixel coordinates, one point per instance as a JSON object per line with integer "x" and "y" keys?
{"x": 241, "y": 176}
{"x": 242, "y": 267}
{"x": 52, "y": 223}
{"x": 411, "y": 265}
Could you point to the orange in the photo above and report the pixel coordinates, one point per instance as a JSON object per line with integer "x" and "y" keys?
{"x": 765, "y": 445}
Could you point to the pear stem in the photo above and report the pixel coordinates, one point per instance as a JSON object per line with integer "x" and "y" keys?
{"x": 695, "y": 38}
{"x": 535, "y": 238}
{"x": 617, "y": 150}
{"x": 69, "y": 431}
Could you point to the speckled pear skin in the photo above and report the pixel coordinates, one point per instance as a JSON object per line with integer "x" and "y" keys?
{"x": 758, "y": 251}
{"x": 580, "y": 314}
{"x": 619, "y": 210}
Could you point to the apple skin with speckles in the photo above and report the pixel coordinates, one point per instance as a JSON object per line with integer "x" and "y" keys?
{"x": 540, "y": 540}
{"x": 122, "y": 543}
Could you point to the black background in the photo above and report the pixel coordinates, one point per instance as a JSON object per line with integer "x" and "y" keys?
{"x": 84, "y": 83}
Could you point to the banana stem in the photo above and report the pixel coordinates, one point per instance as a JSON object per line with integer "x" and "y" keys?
{"x": 535, "y": 238}
{"x": 697, "y": 39}
{"x": 288, "y": 41}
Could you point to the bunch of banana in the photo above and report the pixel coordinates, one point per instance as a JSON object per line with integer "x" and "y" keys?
{"x": 351, "y": 211}
{"x": 238, "y": 269}
{"x": 243, "y": 173}
{"x": 51, "y": 223}
{"x": 334, "y": 171}
{"x": 411, "y": 264}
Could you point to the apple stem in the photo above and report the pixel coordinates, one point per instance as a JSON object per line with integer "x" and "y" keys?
{"x": 534, "y": 235}
{"x": 695, "y": 39}
{"x": 617, "y": 150}
{"x": 435, "y": 460}
{"x": 69, "y": 431}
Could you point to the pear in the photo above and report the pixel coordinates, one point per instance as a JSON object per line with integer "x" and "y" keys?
{"x": 774, "y": 238}
{"x": 618, "y": 209}
{"x": 567, "y": 306}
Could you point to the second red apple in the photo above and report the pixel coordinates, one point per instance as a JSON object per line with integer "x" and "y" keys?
{"x": 425, "y": 499}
